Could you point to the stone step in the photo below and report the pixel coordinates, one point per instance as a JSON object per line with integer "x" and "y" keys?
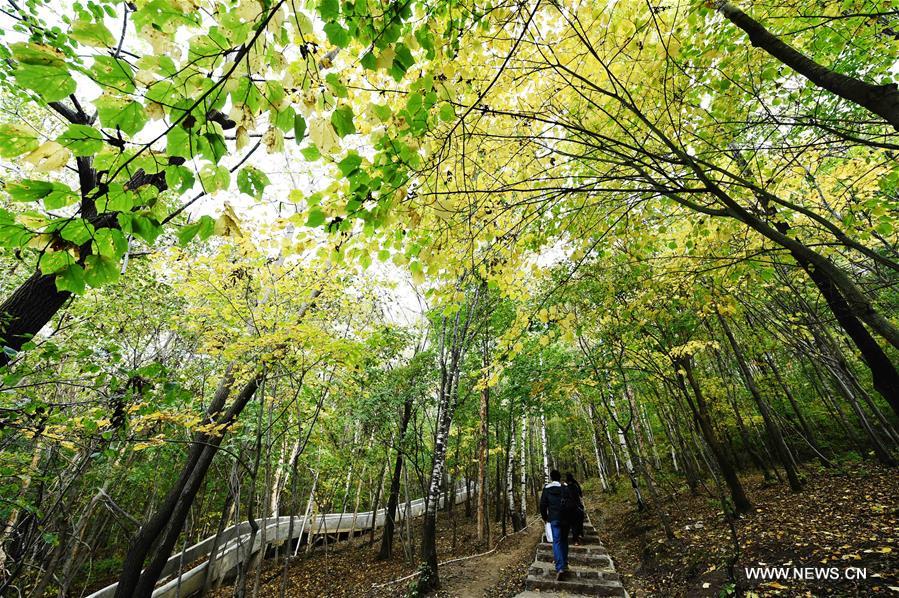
{"x": 589, "y": 539}
{"x": 595, "y": 587}
{"x": 589, "y": 560}
{"x": 548, "y": 570}
{"x": 572, "y": 549}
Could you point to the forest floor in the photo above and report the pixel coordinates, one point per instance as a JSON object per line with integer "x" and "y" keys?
{"x": 496, "y": 575}
{"x": 352, "y": 569}
{"x": 841, "y": 519}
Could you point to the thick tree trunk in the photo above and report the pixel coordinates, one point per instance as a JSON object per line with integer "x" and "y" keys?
{"x": 882, "y": 100}
{"x": 27, "y": 310}
{"x": 883, "y": 373}
{"x": 166, "y": 523}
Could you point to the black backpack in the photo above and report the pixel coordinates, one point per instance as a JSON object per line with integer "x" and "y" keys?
{"x": 571, "y": 503}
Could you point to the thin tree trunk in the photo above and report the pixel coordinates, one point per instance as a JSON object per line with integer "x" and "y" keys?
{"x": 483, "y": 439}
{"x": 701, "y": 416}
{"x": 386, "y": 551}
{"x": 774, "y": 432}
{"x": 600, "y": 464}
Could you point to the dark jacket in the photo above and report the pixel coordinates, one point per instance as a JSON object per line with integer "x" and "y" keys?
{"x": 553, "y": 502}
{"x": 576, "y": 491}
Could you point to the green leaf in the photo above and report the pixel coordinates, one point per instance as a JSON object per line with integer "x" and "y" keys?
{"x": 202, "y": 228}
{"x": 426, "y": 41}
{"x": 113, "y": 72}
{"x": 382, "y": 112}
{"x": 214, "y": 178}
{"x": 137, "y": 224}
{"x": 92, "y": 34}
{"x": 16, "y": 140}
{"x": 329, "y": 9}
{"x": 178, "y": 143}
{"x": 130, "y": 117}
{"x": 316, "y": 218}
{"x": 82, "y": 140}
{"x": 71, "y": 279}
{"x": 369, "y": 61}
{"x": 31, "y": 53}
{"x": 350, "y": 163}
{"x": 414, "y": 103}
{"x": 109, "y": 242}
{"x": 336, "y": 85}
{"x": 252, "y": 181}
{"x": 447, "y": 113}
{"x": 179, "y": 178}
{"x": 342, "y": 121}
{"x": 299, "y": 128}
{"x": 285, "y": 119}
{"x": 32, "y": 190}
{"x": 52, "y": 83}
{"x": 402, "y": 62}
{"x": 55, "y": 261}
{"x": 337, "y": 35}
{"x": 12, "y": 233}
{"x": 116, "y": 199}
{"x": 77, "y": 231}
{"x": 311, "y": 153}
{"x": 100, "y": 270}
{"x": 214, "y": 149}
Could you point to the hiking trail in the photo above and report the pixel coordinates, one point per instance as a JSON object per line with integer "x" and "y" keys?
{"x": 591, "y": 570}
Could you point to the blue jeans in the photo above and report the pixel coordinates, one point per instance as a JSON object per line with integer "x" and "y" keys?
{"x": 560, "y": 544}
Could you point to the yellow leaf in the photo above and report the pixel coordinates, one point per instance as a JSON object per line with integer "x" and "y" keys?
{"x": 228, "y": 225}
{"x": 49, "y": 156}
{"x": 324, "y": 136}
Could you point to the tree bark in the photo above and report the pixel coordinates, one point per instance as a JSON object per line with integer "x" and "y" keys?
{"x": 27, "y": 310}
{"x": 701, "y": 416}
{"x": 389, "y": 517}
{"x": 774, "y": 432}
{"x": 165, "y": 524}
{"x": 483, "y": 438}
{"x": 882, "y": 100}
{"x": 452, "y": 353}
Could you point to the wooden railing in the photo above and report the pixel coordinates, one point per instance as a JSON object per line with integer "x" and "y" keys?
{"x": 234, "y": 545}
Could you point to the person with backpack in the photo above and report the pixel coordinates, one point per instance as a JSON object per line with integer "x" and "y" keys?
{"x": 575, "y": 508}
{"x": 554, "y": 507}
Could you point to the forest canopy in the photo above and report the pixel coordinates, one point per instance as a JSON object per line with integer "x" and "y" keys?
{"x": 260, "y": 255}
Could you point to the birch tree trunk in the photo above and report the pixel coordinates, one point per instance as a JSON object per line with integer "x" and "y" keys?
{"x": 545, "y": 448}
{"x": 451, "y": 354}
{"x": 523, "y": 460}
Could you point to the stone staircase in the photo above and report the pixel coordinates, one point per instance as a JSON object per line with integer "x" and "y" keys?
{"x": 590, "y": 571}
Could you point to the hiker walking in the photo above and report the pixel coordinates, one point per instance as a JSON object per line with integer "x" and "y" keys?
{"x": 553, "y": 509}
{"x": 575, "y": 508}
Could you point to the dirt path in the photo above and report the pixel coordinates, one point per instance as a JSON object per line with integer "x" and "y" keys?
{"x": 500, "y": 573}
